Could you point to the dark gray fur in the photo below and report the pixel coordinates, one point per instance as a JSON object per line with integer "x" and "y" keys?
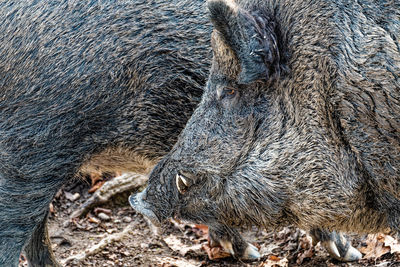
{"x": 78, "y": 78}
{"x": 313, "y": 142}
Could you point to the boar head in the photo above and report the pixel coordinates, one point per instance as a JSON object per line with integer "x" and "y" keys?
{"x": 256, "y": 150}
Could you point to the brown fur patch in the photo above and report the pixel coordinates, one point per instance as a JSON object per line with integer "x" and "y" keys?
{"x": 117, "y": 159}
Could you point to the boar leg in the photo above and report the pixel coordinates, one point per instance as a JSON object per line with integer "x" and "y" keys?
{"x": 231, "y": 240}
{"x": 336, "y": 244}
{"x": 38, "y": 251}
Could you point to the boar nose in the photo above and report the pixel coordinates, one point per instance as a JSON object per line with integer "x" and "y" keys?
{"x": 138, "y": 203}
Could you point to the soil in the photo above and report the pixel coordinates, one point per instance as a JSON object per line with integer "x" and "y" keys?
{"x": 129, "y": 240}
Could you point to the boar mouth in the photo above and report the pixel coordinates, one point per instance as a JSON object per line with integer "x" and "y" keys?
{"x": 137, "y": 203}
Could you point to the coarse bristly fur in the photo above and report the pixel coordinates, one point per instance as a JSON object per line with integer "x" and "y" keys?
{"x": 91, "y": 84}
{"x": 299, "y": 123}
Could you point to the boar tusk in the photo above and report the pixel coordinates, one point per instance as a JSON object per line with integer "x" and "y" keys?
{"x": 181, "y": 183}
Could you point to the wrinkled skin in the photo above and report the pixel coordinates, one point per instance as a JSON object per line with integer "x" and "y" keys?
{"x": 299, "y": 122}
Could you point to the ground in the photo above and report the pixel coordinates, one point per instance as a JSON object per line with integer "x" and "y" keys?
{"x": 115, "y": 235}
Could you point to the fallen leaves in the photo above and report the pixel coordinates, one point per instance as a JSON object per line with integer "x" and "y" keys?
{"x": 393, "y": 244}
{"x": 172, "y": 262}
{"x": 377, "y": 245}
{"x": 274, "y": 258}
{"x": 274, "y": 261}
{"x": 99, "y": 246}
{"x": 200, "y": 232}
{"x": 306, "y": 251}
{"x": 290, "y": 245}
{"x": 94, "y": 220}
{"x": 215, "y": 253}
{"x": 178, "y": 246}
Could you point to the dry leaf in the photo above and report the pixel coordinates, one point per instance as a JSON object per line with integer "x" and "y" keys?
{"x": 95, "y": 177}
{"x": 268, "y": 248}
{"x": 200, "y": 230}
{"x": 375, "y": 246}
{"x": 96, "y": 186}
{"x": 171, "y": 262}
{"x": 392, "y": 243}
{"x": 306, "y": 251}
{"x": 215, "y": 252}
{"x": 304, "y": 255}
{"x": 94, "y": 220}
{"x": 271, "y": 263}
{"x": 274, "y": 258}
{"x": 176, "y": 245}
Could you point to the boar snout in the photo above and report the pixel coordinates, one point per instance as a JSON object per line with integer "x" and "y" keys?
{"x": 138, "y": 203}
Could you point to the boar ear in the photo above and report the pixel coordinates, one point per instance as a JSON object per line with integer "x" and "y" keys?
{"x": 251, "y": 35}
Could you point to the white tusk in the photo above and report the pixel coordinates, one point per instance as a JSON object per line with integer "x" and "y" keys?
{"x": 178, "y": 180}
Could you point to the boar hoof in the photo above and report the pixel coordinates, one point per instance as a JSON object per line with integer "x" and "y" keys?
{"x": 352, "y": 254}
{"x": 348, "y": 254}
{"x": 232, "y": 242}
{"x": 227, "y": 246}
{"x": 336, "y": 244}
{"x": 251, "y": 253}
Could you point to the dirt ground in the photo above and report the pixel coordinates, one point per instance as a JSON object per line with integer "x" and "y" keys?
{"x": 115, "y": 235}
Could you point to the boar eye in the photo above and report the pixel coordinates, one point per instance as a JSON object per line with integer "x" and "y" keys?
{"x": 181, "y": 183}
{"x": 228, "y": 92}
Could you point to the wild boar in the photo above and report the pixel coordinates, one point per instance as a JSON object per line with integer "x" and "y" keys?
{"x": 299, "y": 122}
{"x": 88, "y": 83}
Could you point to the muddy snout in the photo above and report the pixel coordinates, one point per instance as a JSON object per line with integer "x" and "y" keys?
{"x": 137, "y": 203}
